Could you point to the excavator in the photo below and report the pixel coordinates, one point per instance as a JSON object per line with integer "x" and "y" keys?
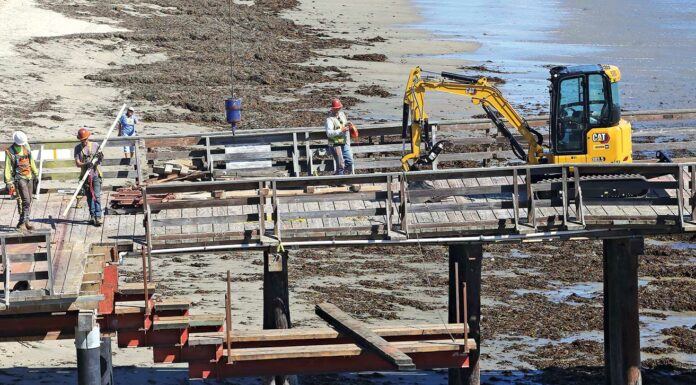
{"x": 585, "y": 124}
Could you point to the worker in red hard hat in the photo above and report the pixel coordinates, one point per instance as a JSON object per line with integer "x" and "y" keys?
{"x": 20, "y": 175}
{"x": 337, "y": 130}
{"x": 88, "y": 158}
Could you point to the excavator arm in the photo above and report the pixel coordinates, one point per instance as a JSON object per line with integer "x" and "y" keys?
{"x": 480, "y": 92}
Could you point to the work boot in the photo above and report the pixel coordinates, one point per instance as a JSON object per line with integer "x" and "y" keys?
{"x": 28, "y": 225}
{"x": 98, "y": 221}
{"x": 21, "y": 226}
{"x": 92, "y": 221}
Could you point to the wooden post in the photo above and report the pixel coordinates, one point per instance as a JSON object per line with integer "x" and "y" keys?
{"x": 276, "y": 298}
{"x": 465, "y": 268}
{"x": 621, "y": 327}
{"x": 276, "y": 309}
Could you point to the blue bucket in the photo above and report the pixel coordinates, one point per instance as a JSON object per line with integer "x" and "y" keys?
{"x": 233, "y": 111}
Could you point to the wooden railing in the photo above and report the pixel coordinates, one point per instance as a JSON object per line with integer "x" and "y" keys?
{"x": 301, "y": 151}
{"x": 34, "y": 249}
{"x": 484, "y": 201}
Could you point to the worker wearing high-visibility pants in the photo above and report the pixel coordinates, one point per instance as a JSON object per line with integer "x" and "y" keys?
{"x": 20, "y": 175}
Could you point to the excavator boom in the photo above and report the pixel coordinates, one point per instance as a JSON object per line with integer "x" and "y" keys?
{"x": 480, "y": 92}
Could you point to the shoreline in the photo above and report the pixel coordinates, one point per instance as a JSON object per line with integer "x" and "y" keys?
{"x": 404, "y": 46}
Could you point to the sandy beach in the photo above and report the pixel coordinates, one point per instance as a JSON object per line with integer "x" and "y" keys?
{"x": 76, "y": 61}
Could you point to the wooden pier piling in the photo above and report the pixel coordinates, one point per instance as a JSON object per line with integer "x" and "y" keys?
{"x": 621, "y": 325}
{"x": 465, "y": 268}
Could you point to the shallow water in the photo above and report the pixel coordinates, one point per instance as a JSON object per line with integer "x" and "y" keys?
{"x": 652, "y": 41}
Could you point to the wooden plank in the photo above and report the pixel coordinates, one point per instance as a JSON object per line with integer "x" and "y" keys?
{"x": 364, "y": 337}
{"x": 342, "y": 350}
{"x": 136, "y": 288}
{"x": 26, "y": 276}
{"x": 171, "y": 322}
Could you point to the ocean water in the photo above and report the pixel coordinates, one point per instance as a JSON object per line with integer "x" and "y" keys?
{"x": 652, "y": 41}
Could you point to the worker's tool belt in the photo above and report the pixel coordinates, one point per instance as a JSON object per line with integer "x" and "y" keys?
{"x": 21, "y": 162}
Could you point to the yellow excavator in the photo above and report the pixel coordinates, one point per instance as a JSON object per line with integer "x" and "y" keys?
{"x": 585, "y": 124}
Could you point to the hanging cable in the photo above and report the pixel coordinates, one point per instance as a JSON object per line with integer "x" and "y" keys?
{"x": 229, "y": 20}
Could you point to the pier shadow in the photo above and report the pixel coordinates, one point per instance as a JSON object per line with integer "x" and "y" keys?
{"x": 665, "y": 373}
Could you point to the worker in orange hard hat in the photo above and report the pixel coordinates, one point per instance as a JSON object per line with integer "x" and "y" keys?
{"x": 88, "y": 158}
{"x": 337, "y": 130}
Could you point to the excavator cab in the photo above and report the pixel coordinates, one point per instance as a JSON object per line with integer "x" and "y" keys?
{"x": 585, "y": 124}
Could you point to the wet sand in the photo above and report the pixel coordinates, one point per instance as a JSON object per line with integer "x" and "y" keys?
{"x": 542, "y": 303}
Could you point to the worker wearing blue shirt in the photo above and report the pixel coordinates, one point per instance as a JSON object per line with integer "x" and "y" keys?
{"x": 127, "y": 128}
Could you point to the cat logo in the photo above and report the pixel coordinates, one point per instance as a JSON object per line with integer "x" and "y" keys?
{"x": 601, "y": 137}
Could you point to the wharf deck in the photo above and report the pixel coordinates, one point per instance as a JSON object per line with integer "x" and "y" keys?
{"x": 72, "y": 239}
{"x": 494, "y": 204}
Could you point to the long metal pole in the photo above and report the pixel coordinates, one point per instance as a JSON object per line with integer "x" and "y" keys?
{"x": 38, "y": 184}
{"x": 228, "y": 318}
{"x": 101, "y": 147}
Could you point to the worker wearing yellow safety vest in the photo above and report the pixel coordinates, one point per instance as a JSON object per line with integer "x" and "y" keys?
{"x": 337, "y": 130}
{"x": 20, "y": 175}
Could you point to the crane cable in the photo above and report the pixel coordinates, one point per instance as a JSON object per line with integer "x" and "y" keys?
{"x": 229, "y": 15}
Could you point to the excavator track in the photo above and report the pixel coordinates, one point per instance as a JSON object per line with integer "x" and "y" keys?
{"x": 602, "y": 186}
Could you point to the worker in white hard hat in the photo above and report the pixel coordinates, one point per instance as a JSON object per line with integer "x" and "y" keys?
{"x": 20, "y": 175}
{"x": 127, "y": 128}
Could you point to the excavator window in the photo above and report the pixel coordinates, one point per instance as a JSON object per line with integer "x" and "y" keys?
{"x": 571, "y": 116}
{"x": 599, "y": 103}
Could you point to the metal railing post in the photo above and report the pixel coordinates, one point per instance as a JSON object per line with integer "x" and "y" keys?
{"x": 531, "y": 207}
{"x": 308, "y": 150}
{"x": 228, "y": 318}
{"x": 49, "y": 266}
{"x": 564, "y": 176}
{"x": 579, "y": 211}
{"x": 680, "y": 195}
{"x": 404, "y": 205}
{"x": 276, "y": 211}
{"x": 516, "y": 199}
{"x": 6, "y": 271}
{"x": 693, "y": 193}
{"x": 148, "y": 231}
{"x": 388, "y": 206}
{"x": 261, "y": 210}
{"x": 295, "y": 156}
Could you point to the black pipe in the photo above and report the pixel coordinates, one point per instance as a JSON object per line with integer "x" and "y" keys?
{"x": 106, "y": 364}
{"x": 88, "y": 357}
{"x": 404, "y": 121}
{"x": 460, "y": 78}
{"x": 516, "y": 147}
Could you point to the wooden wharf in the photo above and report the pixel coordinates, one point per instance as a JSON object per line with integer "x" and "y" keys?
{"x": 270, "y": 196}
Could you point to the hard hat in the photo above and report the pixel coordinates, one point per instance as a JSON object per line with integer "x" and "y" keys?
{"x": 131, "y": 109}
{"x": 83, "y": 134}
{"x": 336, "y": 104}
{"x": 19, "y": 138}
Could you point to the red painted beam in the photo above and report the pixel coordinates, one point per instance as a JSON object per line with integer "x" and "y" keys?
{"x": 131, "y": 338}
{"x": 172, "y": 354}
{"x": 26, "y": 325}
{"x": 202, "y": 353}
{"x": 109, "y": 287}
{"x": 365, "y": 362}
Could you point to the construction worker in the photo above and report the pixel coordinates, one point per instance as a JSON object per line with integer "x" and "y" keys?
{"x": 20, "y": 174}
{"x": 127, "y": 128}
{"x": 337, "y": 130}
{"x": 88, "y": 158}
